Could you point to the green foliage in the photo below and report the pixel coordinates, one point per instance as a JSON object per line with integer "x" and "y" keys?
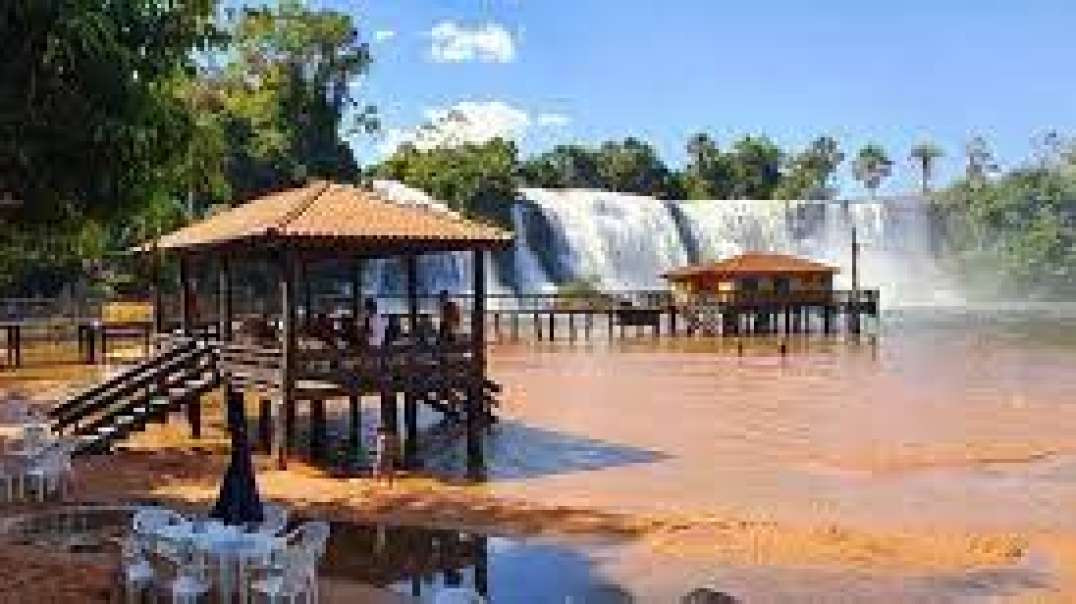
{"x": 122, "y": 120}
{"x": 628, "y": 166}
{"x": 755, "y": 168}
{"x": 564, "y": 167}
{"x": 582, "y": 293}
{"x": 632, "y": 166}
{"x": 708, "y": 174}
{"x": 872, "y": 166}
{"x": 477, "y": 180}
{"x": 1017, "y": 233}
{"x": 274, "y": 115}
{"x": 808, "y": 173}
{"x": 86, "y": 116}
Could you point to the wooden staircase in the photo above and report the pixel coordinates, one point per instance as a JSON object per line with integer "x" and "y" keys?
{"x": 172, "y": 380}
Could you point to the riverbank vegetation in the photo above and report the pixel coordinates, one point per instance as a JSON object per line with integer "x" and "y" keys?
{"x": 122, "y": 121}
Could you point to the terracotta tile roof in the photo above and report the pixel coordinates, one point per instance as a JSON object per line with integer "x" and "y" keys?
{"x": 334, "y": 213}
{"x": 759, "y": 263}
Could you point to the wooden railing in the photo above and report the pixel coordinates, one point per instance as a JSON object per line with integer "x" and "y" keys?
{"x": 860, "y": 297}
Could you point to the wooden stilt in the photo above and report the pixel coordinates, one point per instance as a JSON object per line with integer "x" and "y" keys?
{"x": 194, "y": 417}
{"x": 265, "y": 425}
{"x": 354, "y": 433}
{"x": 475, "y": 403}
{"x": 317, "y": 429}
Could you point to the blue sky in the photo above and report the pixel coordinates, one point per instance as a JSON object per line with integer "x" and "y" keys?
{"x": 550, "y": 71}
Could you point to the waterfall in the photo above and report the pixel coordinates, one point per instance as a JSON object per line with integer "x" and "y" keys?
{"x": 624, "y": 241}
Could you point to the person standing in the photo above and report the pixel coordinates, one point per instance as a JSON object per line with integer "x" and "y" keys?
{"x": 450, "y": 317}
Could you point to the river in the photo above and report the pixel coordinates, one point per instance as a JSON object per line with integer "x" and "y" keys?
{"x": 951, "y": 424}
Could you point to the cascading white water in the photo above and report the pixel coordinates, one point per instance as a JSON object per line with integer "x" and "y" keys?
{"x": 623, "y": 241}
{"x": 627, "y": 241}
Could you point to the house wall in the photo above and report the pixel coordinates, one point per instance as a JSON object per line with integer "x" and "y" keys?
{"x": 765, "y": 283}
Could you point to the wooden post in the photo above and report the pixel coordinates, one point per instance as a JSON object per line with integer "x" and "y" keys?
{"x": 571, "y": 325}
{"x": 515, "y": 326}
{"x": 194, "y": 415}
{"x": 158, "y": 306}
{"x": 184, "y": 295}
{"x": 475, "y": 404}
{"x": 354, "y": 434}
{"x": 265, "y": 425}
{"x": 225, "y": 299}
{"x": 287, "y": 348}
{"x": 552, "y": 325}
{"x": 317, "y": 429}
{"x": 356, "y": 289}
{"x": 308, "y": 294}
{"x": 410, "y": 404}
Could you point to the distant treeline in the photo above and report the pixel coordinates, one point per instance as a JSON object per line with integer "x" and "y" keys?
{"x": 1008, "y": 233}
{"x": 123, "y": 120}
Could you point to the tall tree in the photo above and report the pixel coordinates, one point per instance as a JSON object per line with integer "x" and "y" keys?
{"x": 980, "y": 162}
{"x": 565, "y": 166}
{"x": 632, "y": 166}
{"x": 708, "y": 174}
{"x": 755, "y": 168}
{"x": 478, "y": 180}
{"x": 281, "y": 104}
{"x": 871, "y": 167}
{"x": 808, "y": 173}
{"x": 925, "y": 155}
{"x": 87, "y": 118}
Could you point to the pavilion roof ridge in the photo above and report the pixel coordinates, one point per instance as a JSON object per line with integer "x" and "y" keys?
{"x": 302, "y": 206}
{"x": 325, "y": 214}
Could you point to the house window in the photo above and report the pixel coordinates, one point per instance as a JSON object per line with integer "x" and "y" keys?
{"x": 749, "y": 284}
{"x": 782, "y": 285}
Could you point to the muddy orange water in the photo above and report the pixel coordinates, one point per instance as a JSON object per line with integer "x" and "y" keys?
{"x": 954, "y": 419}
{"x": 949, "y": 422}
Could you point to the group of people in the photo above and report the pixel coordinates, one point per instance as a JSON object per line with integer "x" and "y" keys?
{"x": 373, "y": 328}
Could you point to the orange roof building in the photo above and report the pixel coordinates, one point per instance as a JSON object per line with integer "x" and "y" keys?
{"x": 753, "y": 272}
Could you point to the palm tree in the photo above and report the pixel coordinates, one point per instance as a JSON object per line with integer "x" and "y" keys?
{"x": 871, "y": 167}
{"x": 924, "y": 155}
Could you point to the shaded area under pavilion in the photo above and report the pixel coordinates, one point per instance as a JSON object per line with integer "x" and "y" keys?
{"x": 284, "y": 356}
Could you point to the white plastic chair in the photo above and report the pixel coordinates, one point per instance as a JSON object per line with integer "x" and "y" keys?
{"x": 10, "y": 474}
{"x": 458, "y": 595}
{"x": 288, "y": 577}
{"x": 190, "y": 583}
{"x": 138, "y": 575}
{"x": 275, "y": 519}
{"x": 148, "y": 519}
{"x": 43, "y": 473}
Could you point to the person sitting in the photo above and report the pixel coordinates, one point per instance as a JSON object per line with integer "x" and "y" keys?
{"x": 373, "y": 324}
{"x": 321, "y": 328}
{"x": 424, "y": 331}
{"x": 386, "y": 454}
{"x": 450, "y": 317}
{"x": 393, "y": 330}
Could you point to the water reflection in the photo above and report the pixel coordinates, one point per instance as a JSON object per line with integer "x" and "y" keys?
{"x": 420, "y": 561}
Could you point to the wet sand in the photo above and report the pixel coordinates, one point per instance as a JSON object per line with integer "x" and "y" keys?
{"x": 938, "y": 466}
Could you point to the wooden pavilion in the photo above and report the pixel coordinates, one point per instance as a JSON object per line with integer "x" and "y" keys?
{"x": 285, "y": 361}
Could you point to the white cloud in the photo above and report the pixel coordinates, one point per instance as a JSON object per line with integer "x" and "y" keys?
{"x": 553, "y": 120}
{"x": 464, "y": 122}
{"x": 453, "y": 43}
{"x": 384, "y": 35}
